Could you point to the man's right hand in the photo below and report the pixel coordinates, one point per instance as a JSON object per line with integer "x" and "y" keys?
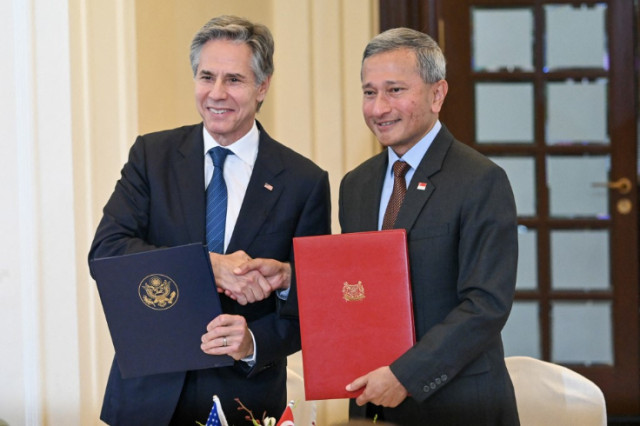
{"x": 277, "y": 274}
{"x": 245, "y": 288}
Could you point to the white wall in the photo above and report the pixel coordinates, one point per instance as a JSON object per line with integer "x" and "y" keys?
{"x": 38, "y": 307}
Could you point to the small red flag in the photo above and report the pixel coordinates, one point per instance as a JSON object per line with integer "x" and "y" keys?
{"x": 287, "y": 417}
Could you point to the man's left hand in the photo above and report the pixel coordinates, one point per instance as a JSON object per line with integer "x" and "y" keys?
{"x": 228, "y": 335}
{"x": 381, "y": 387}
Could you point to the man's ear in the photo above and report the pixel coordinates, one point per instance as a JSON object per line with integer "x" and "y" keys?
{"x": 263, "y": 88}
{"x": 439, "y": 90}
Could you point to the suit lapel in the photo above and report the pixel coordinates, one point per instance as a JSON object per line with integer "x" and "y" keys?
{"x": 372, "y": 192}
{"x": 189, "y": 172}
{"x": 418, "y": 194}
{"x": 265, "y": 187}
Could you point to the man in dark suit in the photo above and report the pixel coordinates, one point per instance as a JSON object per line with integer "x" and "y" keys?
{"x": 272, "y": 195}
{"x": 459, "y": 213}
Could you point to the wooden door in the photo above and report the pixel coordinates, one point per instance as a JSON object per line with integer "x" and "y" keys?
{"x": 547, "y": 89}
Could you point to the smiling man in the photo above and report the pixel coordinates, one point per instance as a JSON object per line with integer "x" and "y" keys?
{"x": 228, "y": 184}
{"x": 459, "y": 213}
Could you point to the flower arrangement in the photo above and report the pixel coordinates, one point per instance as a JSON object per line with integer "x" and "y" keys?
{"x": 266, "y": 421}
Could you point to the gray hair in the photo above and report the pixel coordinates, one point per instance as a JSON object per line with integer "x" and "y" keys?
{"x": 432, "y": 65}
{"x": 227, "y": 27}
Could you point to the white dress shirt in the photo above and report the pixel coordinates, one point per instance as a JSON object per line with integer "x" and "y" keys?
{"x": 236, "y": 171}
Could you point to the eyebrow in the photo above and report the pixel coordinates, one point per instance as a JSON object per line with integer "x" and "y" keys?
{"x": 230, "y": 75}
{"x": 385, "y": 83}
{"x": 235, "y": 75}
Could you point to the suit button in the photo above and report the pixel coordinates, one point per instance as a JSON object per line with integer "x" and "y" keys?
{"x": 426, "y": 388}
{"x": 433, "y": 385}
{"x": 444, "y": 377}
{"x": 438, "y": 381}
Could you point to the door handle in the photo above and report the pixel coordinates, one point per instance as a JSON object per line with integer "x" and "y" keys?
{"x": 622, "y": 185}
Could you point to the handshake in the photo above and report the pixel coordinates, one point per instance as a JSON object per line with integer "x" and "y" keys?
{"x": 248, "y": 280}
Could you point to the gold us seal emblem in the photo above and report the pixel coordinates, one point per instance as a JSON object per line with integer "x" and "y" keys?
{"x": 158, "y": 292}
{"x": 353, "y": 292}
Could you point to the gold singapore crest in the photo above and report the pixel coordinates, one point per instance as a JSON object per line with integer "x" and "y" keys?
{"x": 353, "y": 292}
{"x": 158, "y": 292}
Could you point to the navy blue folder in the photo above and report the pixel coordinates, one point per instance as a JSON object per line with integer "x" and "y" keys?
{"x": 157, "y": 305}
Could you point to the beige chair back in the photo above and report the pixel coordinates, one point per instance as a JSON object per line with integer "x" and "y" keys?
{"x": 550, "y": 394}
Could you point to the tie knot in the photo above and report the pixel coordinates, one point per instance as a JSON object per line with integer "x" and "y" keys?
{"x": 400, "y": 168}
{"x": 218, "y": 155}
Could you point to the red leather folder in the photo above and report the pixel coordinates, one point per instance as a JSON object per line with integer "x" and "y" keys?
{"x": 356, "y": 313}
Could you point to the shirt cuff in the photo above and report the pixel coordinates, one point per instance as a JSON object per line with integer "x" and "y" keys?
{"x": 283, "y": 294}
{"x": 251, "y": 359}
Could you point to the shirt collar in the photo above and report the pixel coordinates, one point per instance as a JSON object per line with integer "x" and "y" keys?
{"x": 245, "y": 148}
{"x": 417, "y": 152}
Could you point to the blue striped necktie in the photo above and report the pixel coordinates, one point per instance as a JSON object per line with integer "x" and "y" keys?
{"x": 217, "y": 201}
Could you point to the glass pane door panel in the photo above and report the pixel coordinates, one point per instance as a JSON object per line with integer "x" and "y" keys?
{"x": 521, "y": 174}
{"x": 570, "y": 181}
{"x": 504, "y": 112}
{"x": 502, "y": 39}
{"x": 581, "y": 333}
{"x": 521, "y": 333}
{"x": 576, "y": 37}
{"x": 577, "y": 112}
{"x": 527, "y": 278}
{"x": 580, "y": 260}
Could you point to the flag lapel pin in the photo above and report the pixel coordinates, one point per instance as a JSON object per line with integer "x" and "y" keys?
{"x": 422, "y": 186}
{"x": 268, "y": 186}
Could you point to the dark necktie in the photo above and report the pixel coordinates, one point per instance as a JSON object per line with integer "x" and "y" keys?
{"x": 400, "y": 168}
{"x": 217, "y": 201}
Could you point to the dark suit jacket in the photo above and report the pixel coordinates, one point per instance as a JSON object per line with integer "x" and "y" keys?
{"x": 160, "y": 202}
{"x": 462, "y": 237}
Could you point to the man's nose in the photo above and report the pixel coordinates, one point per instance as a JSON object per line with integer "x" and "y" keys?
{"x": 219, "y": 90}
{"x": 380, "y": 105}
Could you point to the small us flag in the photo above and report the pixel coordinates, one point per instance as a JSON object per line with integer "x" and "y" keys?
{"x": 216, "y": 416}
{"x": 268, "y": 186}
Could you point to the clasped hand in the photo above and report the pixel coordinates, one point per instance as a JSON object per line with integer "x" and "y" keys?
{"x": 228, "y": 335}
{"x": 248, "y": 280}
